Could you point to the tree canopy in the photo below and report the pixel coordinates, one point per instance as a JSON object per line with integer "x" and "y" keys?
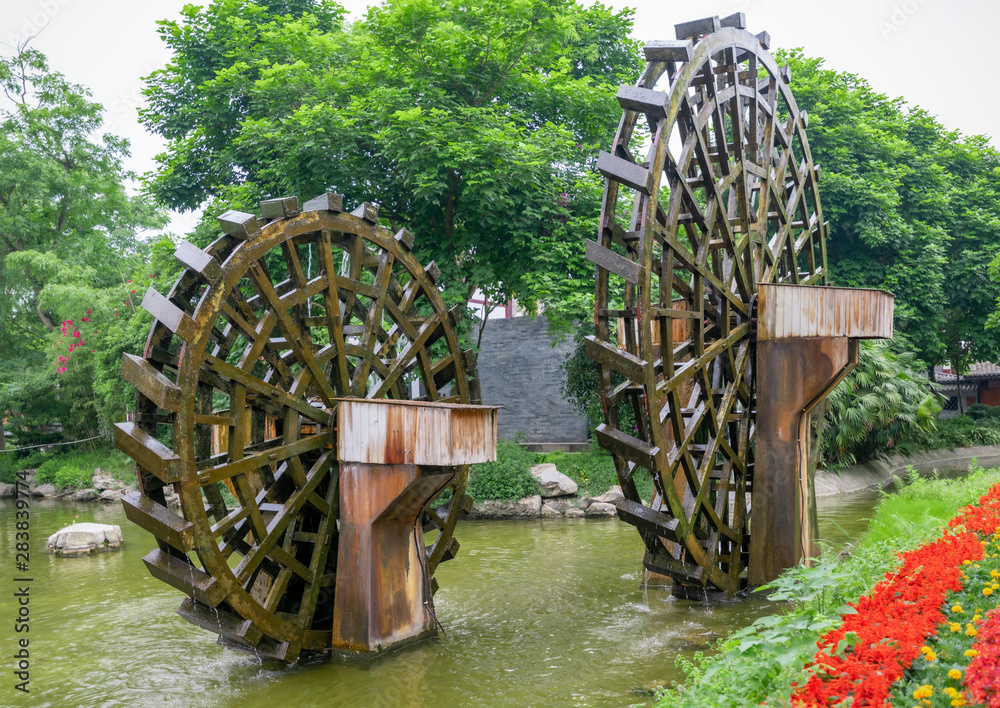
{"x": 913, "y": 208}
{"x": 473, "y": 125}
{"x": 69, "y": 244}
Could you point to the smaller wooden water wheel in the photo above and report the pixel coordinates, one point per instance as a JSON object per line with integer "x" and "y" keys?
{"x": 259, "y": 336}
{"x": 710, "y": 192}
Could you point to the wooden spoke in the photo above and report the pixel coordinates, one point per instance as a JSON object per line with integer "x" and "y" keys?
{"x": 261, "y": 334}
{"x": 710, "y": 191}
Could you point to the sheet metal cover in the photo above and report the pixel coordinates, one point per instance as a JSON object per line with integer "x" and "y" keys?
{"x": 415, "y": 432}
{"x": 820, "y": 311}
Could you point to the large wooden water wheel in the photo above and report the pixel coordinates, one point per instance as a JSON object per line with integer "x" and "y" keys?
{"x": 262, "y": 331}
{"x": 710, "y": 191}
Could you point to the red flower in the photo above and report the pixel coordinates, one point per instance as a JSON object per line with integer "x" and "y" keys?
{"x": 85, "y": 319}
{"x": 982, "y": 678}
{"x": 894, "y": 620}
{"x": 88, "y": 312}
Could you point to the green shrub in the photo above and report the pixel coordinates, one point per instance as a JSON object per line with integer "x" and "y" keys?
{"x": 993, "y": 412}
{"x": 8, "y": 467}
{"x": 977, "y": 411}
{"x": 32, "y": 460}
{"x": 884, "y": 399}
{"x": 506, "y": 479}
{"x": 594, "y": 471}
{"x": 75, "y": 469}
{"x": 960, "y": 431}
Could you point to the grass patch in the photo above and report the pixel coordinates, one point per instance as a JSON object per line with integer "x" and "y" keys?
{"x": 506, "y": 479}
{"x": 74, "y": 469}
{"x": 761, "y": 661}
{"x": 594, "y": 471}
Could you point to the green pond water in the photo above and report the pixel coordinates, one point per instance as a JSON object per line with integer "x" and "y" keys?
{"x": 539, "y": 613}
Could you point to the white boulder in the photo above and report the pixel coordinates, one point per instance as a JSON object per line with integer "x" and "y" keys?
{"x": 85, "y": 539}
{"x": 602, "y": 509}
{"x": 612, "y": 496}
{"x": 553, "y": 482}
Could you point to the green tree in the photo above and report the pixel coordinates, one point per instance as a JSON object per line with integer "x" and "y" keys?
{"x": 472, "y": 125}
{"x": 913, "y": 208}
{"x": 67, "y": 222}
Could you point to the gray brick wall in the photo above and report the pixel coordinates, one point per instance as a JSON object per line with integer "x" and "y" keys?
{"x": 519, "y": 369}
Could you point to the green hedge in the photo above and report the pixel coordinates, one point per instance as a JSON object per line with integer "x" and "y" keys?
{"x": 506, "y": 479}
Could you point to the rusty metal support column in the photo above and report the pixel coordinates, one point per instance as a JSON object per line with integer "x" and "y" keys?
{"x": 799, "y": 374}
{"x": 383, "y": 596}
{"x": 395, "y": 457}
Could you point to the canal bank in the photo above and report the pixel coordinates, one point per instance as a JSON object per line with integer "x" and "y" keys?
{"x": 880, "y": 473}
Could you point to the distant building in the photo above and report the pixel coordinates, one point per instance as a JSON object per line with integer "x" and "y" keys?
{"x": 980, "y": 385}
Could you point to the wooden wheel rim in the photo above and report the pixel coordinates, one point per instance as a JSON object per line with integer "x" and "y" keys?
{"x": 202, "y": 321}
{"x": 681, "y": 282}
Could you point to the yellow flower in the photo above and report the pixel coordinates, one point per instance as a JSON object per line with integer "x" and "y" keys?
{"x": 955, "y": 674}
{"x": 976, "y": 617}
{"x": 951, "y": 692}
{"x": 956, "y": 627}
{"x": 995, "y": 573}
{"x": 971, "y": 631}
{"x": 966, "y": 562}
{"x": 971, "y": 652}
{"x": 956, "y": 608}
{"x": 925, "y": 691}
{"x": 987, "y": 591}
{"x": 995, "y": 586}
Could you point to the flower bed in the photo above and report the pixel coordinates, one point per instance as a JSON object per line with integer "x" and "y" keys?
{"x": 911, "y": 638}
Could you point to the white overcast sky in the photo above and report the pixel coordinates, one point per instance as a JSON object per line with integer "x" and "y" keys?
{"x": 937, "y": 54}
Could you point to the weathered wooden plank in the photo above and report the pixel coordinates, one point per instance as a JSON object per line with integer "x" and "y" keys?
{"x": 405, "y": 238}
{"x": 624, "y": 445}
{"x": 628, "y": 173}
{"x": 367, "y": 211}
{"x": 647, "y": 520}
{"x": 737, "y": 20}
{"x": 433, "y": 272}
{"x": 216, "y": 620}
{"x": 279, "y": 208}
{"x": 152, "y": 455}
{"x": 325, "y": 202}
{"x": 669, "y": 50}
{"x": 168, "y": 314}
{"x": 665, "y": 565}
{"x": 199, "y": 261}
{"x": 239, "y": 224}
{"x": 184, "y": 576}
{"x": 151, "y": 383}
{"x": 654, "y": 103}
{"x": 628, "y": 365}
{"x": 697, "y": 28}
{"x": 159, "y": 521}
{"x": 611, "y": 261}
